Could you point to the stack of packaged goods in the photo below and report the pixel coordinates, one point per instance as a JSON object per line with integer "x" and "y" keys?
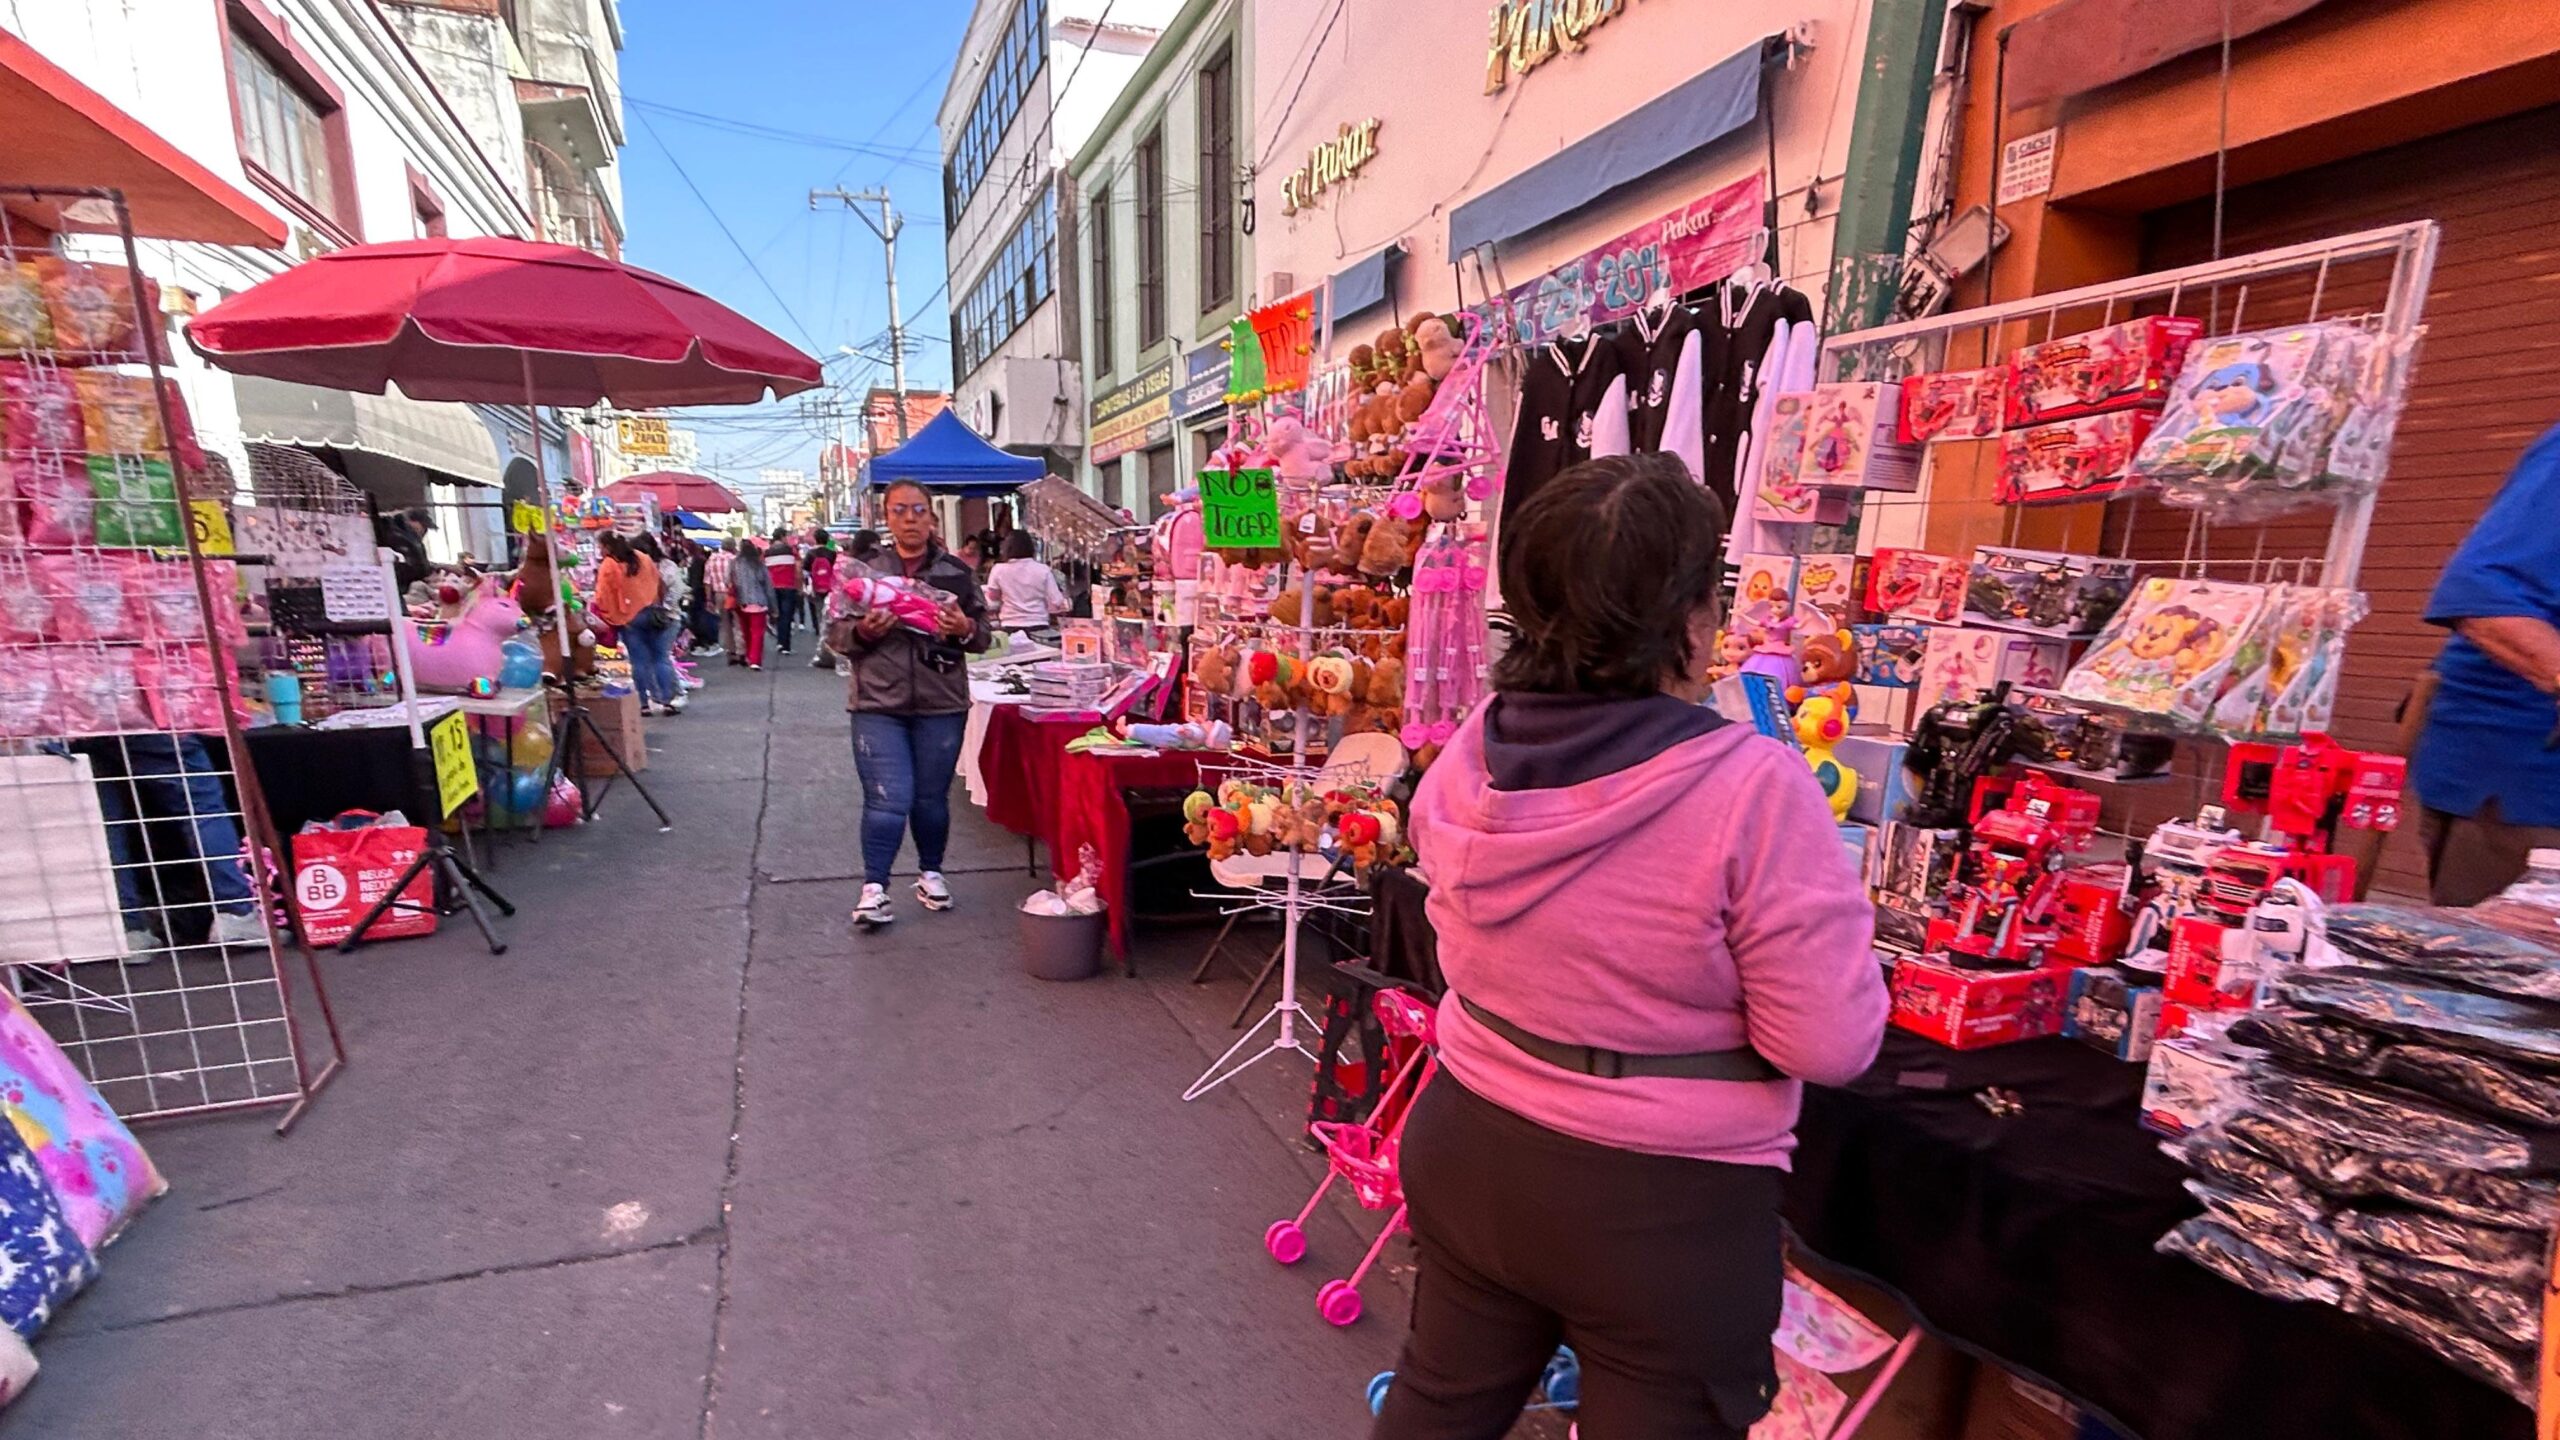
{"x": 1069, "y": 684}
{"x": 2383, "y": 1141}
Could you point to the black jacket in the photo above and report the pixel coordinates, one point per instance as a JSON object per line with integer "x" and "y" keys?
{"x": 904, "y": 672}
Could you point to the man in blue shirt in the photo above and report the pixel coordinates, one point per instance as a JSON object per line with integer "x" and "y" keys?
{"x": 2487, "y": 769}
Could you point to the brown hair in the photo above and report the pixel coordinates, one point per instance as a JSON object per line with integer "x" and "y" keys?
{"x": 1602, "y": 569}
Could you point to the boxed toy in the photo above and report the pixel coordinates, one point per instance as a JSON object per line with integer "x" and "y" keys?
{"x": 1916, "y": 585}
{"x": 1918, "y": 862}
{"x": 2051, "y": 732}
{"x": 1963, "y": 663}
{"x": 2171, "y": 650}
{"x": 2071, "y": 461}
{"x": 1828, "y": 583}
{"x": 2090, "y": 926}
{"x": 1975, "y": 1009}
{"x": 1850, "y": 439}
{"x": 2111, "y": 1013}
{"x": 1883, "y": 785}
{"x": 2045, "y": 592}
{"x": 2192, "y": 1081}
{"x": 1902, "y": 923}
{"x": 1889, "y": 653}
{"x": 1781, "y": 494}
{"x": 1766, "y": 585}
{"x": 2120, "y": 367}
{"x": 2208, "y": 967}
{"x": 1952, "y": 405}
{"x": 1860, "y": 842}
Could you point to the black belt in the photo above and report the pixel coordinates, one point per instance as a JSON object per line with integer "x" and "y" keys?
{"x": 1739, "y": 1063}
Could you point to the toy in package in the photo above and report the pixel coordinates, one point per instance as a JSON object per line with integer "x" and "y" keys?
{"x": 25, "y": 325}
{"x": 2050, "y": 592}
{"x": 1765, "y": 589}
{"x": 97, "y": 691}
{"x": 1779, "y": 495}
{"x": 1826, "y": 583}
{"x": 2169, "y": 651}
{"x": 2256, "y": 420}
{"x": 1916, "y": 585}
{"x": 1890, "y": 654}
{"x": 2071, "y": 460}
{"x": 40, "y": 412}
{"x": 85, "y": 592}
{"x": 1975, "y": 1009}
{"x": 1952, "y": 405}
{"x": 2112, "y": 1014}
{"x": 2120, "y": 367}
{"x": 1961, "y": 663}
{"x": 916, "y": 606}
{"x": 1850, "y": 440}
{"x": 2284, "y": 676}
{"x": 91, "y": 305}
{"x": 137, "y": 499}
{"x": 118, "y": 414}
{"x": 179, "y": 689}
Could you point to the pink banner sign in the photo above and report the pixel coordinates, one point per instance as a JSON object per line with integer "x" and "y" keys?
{"x": 1692, "y": 247}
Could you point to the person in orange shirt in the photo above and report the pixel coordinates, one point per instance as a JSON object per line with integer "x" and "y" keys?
{"x": 627, "y": 595}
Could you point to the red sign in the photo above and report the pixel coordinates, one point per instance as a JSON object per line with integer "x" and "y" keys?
{"x": 1692, "y": 247}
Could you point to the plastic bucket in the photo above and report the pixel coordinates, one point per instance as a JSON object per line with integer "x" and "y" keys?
{"x": 1061, "y": 947}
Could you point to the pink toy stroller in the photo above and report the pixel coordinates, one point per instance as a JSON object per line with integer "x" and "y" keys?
{"x": 1365, "y": 1155}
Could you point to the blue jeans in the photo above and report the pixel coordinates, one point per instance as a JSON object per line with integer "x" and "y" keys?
{"x": 651, "y": 641}
{"x": 164, "y": 778}
{"x": 786, "y": 613}
{"x": 906, "y": 763}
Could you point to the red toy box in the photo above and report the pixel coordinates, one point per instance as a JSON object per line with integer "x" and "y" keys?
{"x": 2198, "y": 950}
{"x": 1952, "y": 405}
{"x": 2070, "y": 461}
{"x": 2122, "y": 367}
{"x": 1975, "y": 1009}
{"x": 1916, "y": 585}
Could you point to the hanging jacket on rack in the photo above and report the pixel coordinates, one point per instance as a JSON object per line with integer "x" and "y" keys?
{"x": 1568, "y": 383}
{"x": 1753, "y": 320}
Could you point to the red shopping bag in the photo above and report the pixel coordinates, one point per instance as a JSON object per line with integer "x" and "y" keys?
{"x": 339, "y": 874}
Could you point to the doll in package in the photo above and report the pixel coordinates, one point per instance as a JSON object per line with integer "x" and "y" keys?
{"x": 2169, "y": 652}
{"x": 2258, "y": 419}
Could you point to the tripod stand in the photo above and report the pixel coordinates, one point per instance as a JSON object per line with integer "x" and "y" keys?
{"x": 457, "y": 888}
{"x": 576, "y": 723}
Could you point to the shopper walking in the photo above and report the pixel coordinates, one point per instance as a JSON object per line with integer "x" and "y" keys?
{"x": 628, "y": 595}
{"x": 909, "y": 696}
{"x": 751, "y": 593}
{"x": 2487, "y": 763}
{"x": 782, "y": 567}
{"x": 818, "y": 581}
{"x": 1651, "y": 937}
{"x": 1023, "y": 590}
{"x": 702, "y": 608}
{"x": 718, "y": 572}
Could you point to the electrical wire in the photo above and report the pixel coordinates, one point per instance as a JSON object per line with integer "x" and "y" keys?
{"x": 1276, "y": 126}
{"x": 732, "y": 236}
{"x": 896, "y": 154}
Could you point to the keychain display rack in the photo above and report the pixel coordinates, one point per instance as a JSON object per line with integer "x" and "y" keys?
{"x": 140, "y": 917}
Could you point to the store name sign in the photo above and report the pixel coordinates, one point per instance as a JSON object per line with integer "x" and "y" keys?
{"x": 1328, "y": 165}
{"x": 1528, "y": 33}
{"x": 1133, "y": 416}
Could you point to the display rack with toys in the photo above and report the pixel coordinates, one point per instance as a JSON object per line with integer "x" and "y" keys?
{"x": 2114, "y": 368}
{"x": 1953, "y": 405}
{"x": 2045, "y": 592}
{"x": 1253, "y": 812}
{"x": 1905, "y": 584}
{"x": 2071, "y": 461}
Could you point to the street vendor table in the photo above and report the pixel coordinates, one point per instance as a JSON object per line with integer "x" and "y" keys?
{"x": 1066, "y": 801}
{"x": 2029, "y": 1238}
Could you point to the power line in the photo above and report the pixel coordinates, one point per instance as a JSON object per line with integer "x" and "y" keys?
{"x": 714, "y": 213}
{"x": 895, "y": 155}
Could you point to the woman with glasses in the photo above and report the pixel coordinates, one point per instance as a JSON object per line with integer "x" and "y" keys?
{"x": 909, "y": 696}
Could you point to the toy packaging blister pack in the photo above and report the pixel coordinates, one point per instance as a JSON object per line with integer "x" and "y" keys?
{"x": 1766, "y": 588}
{"x": 2257, "y": 421}
{"x": 1851, "y": 440}
{"x": 2169, "y": 651}
{"x": 1952, "y": 405}
{"x": 2119, "y": 367}
{"x": 1916, "y": 585}
{"x": 2045, "y": 592}
{"x": 2284, "y": 679}
{"x": 2089, "y": 458}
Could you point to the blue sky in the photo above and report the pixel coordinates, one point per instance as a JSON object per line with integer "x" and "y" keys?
{"x": 801, "y": 94}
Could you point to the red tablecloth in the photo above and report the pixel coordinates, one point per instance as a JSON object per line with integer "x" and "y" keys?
{"x": 1067, "y": 801}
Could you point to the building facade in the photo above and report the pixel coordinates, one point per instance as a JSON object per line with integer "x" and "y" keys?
{"x": 1031, "y": 83}
{"x": 356, "y": 122}
{"x": 1165, "y": 257}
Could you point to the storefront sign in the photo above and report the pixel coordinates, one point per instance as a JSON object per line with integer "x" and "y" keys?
{"x": 1204, "y": 381}
{"x": 2026, "y": 166}
{"x": 643, "y": 435}
{"x": 1528, "y": 33}
{"x": 457, "y": 779}
{"x": 1134, "y": 416}
{"x": 1328, "y": 165}
{"x": 1239, "y": 509}
{"x": 1694, "y": 246}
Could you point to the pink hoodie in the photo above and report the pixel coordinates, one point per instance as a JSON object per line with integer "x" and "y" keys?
{"x": 1699, "y": 899}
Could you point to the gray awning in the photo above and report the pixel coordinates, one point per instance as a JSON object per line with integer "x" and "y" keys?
{"x": 448, "y": 439}
{"x": 1689, "y": 117}
{"x": 1364, "y": 283}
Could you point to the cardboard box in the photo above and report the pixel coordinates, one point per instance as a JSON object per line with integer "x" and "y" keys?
{"x": 1953, "y": 405}
{"x": 1883, "y": 785}
{"x": 2045, "y": 592}
{"x": 1860, "y": 842}
{"x": 1852, "y": 442}
{"x": 618, "y": 716}
{"x": 2112, "y": 1014}
{"x": 2118, "y": 367}
{"x": 1962, "y": 663}
{"x": 2070, "y": 461}
{"x": 2005, "y": 1407}
{"x": 1890, "y": 653}
{"x": 1976, "y": 1009}
{"x": 1780, "y": 493}
{"x": 1766, "y": 585}
{"x": 1902, "y": 924}
{"x": 2207, "y": 965}
{"x": 1828, "y": 584}
{"x": 1916, "y": 585}
{"x": 1918, "y": 862}
{"x": 2188, "y": 1082}
{"x": 2091, "y": 927}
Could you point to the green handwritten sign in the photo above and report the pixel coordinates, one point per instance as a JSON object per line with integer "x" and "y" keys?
{"x": 1239, "y": 509}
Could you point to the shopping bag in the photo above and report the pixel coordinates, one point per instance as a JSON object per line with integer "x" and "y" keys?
{"x": 341, "y": 870}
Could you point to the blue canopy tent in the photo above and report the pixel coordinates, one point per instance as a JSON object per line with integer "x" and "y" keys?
{"x": 948, "y": 458}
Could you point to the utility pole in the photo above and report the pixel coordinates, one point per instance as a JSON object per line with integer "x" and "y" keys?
{"x": 887, "y": 228}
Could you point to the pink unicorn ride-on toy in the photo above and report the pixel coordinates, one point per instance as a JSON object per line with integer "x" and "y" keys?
{"x": 465, "y": 656}
{"x": 1364, "y": 1156}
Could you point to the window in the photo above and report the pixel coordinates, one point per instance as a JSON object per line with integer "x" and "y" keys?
{"x": 1019, "y": 53}
{"x": 1151, "y": 325}
{"x": 1217, "y": 182}
{"x": 1011, "y": 287}
{"x": 1160, "y": 481}
{"x": 426, "y": 207}
{"x": 1106, "y": 316}
{"x": 291, "y": 123}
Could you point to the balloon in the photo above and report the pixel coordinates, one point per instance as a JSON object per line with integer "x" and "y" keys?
{"x": 522, "y": 667}
{"x": 532, "y": 747}
{"x": 524, "y": 791}
{"x": 567, "y": 807}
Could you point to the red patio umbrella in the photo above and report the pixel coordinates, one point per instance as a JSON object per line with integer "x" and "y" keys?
{"x": 677, "y": 490}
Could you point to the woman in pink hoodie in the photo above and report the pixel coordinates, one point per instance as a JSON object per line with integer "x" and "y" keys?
{"x": 1652, "y": 938}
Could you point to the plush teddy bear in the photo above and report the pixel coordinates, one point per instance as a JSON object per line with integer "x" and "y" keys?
{"x": 1329, "y": 681}
{"x": 1286, "y": 604}
{"x": 1214, "y": 671}
{"x": 1364, "y": 364}
{"x": 1394, "y": 354}
{"x": 1389, "y": 546}
{"x": 1827, "y": 657}
{"x": 1436, "y": 343}
{"x": 1444, "y": 496}
{"x": 1394, "y": 611}
{"x": 1386, "y": 685}
{"x": 1413, "y": 400}
{"x": 1348, "y": 538}
{"x": 1356, "y": 607}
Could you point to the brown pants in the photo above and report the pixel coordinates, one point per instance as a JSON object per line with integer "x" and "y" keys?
{"x": 2472, "y": 857}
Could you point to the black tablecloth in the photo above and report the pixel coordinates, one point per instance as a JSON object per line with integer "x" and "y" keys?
{"x": 2029, "y": 1238}
{"x": 1402, "y": 944}
{"x": 319, "y": 774}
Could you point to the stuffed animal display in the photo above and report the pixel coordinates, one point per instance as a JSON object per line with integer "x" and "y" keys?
{"x": 1358, "y": 822}
{"x": 1398, "y": 375}
{"x": 467, "y": 655}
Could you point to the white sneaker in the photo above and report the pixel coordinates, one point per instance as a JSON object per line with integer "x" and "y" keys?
{"x": 138, "y": 941}
{"x": 872, "y": 910}
{"x": 707, "y": 652}
{"x": 844, "y": 668}
{"x": 676, "y": 706}
{"x": 241, "y": 929}
{"x": 932, "y": 892}
{"x": 693, "y": 683}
